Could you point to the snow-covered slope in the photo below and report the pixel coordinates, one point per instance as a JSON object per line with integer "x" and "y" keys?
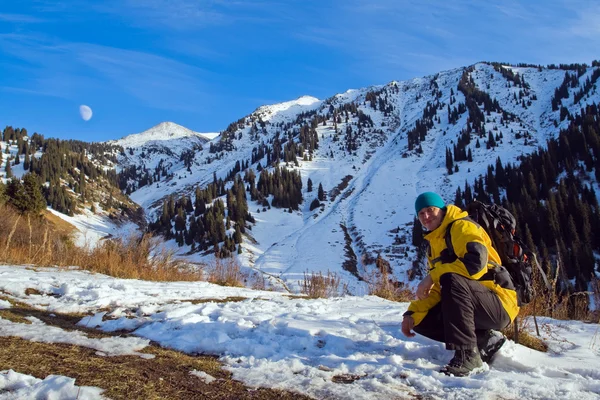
{"x": 368, "y": 166}
{"x": 165, "y": 131}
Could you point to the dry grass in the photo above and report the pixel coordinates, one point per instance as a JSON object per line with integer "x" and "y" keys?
{"x": 232, "y": 299}
{"x": 567, "y": 306}
{"x": 525, "y": 338}
{"x": 320, "y": 286}
{"x": 59, "y": 225}
{"x": 383, "y": 285}
{"x": 226, "y": 272}
{"x": 573, "y": 306}
{"x": 167, "y": 376}
{"x": 39, "y": 242}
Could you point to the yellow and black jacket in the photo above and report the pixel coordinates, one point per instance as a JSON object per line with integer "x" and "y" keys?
{"x": 475, "y": 259}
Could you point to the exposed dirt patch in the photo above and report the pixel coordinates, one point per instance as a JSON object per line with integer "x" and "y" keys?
{"x": 167, "y": 376}
{"x": 234, "y": 299}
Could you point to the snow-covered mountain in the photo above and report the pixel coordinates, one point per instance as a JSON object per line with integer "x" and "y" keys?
{"x": 156, "y": 152}
{"x": 378, "y": 147}
{"x": 165, "y": 131}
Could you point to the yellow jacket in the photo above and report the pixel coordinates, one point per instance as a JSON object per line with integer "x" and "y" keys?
{"x": 475, "y": 257}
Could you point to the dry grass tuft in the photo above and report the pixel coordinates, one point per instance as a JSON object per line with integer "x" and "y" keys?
{"x": 525, "y": 338}
{"x": 226, "y": 272}
{"x": 383, "y": 285}
{"x": 30, "y": 291}
{"x": 320, "y": 286}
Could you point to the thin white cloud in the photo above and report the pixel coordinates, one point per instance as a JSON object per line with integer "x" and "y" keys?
{"x": 392, "y": 37}
{"x": 158, "y": 81}
{"x": 173, "y": 14}
{"x": 189, "y": 15}
{"x": 19, "y": 18}
{"x": 69, "y": 69}
{"x": 587, "y": 23}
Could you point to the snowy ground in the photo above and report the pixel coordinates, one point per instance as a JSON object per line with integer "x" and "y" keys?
{"x": 294, "y": 344}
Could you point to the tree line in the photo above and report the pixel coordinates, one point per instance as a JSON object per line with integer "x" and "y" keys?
{"x": 551, "y": 194}
{"x": 60, "y": 169}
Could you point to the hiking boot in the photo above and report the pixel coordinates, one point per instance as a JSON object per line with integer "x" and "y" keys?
{"x": 488, "y": 343}
{"x": 463, "y": 362}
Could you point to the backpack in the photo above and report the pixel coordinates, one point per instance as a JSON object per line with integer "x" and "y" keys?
{"x": 500, "y": 225}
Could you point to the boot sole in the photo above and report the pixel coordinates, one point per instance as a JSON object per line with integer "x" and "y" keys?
{"x": 474, "y": 371}
{"x": 488, "y": 357}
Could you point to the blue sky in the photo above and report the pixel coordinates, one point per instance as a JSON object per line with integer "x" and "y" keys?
{"x": 206, "y": 63}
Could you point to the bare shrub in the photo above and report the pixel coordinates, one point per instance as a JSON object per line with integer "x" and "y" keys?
{"x": 258, "y": 281}
{"x": 226, "y": 272}
{"x": 320, "y": 286}
{"x": 386, "y": 286}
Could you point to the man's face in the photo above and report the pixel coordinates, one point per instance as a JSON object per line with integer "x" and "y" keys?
{"x": 431, "y": 217}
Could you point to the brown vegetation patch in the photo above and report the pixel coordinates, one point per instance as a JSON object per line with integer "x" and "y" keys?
{"x": 233, "y": 299}
{"x": 167, "y": 376}
{"x": 59, "y": 225}
{"x": 526, "y": 339}
{"x": 384, "y": 285}
{"x": 226, "y": 272}
{"x": 346, "y": 378}
{"x": 317, "y": 285}
{"x": 30, "y": 291}
{"x": 35, "y": 240}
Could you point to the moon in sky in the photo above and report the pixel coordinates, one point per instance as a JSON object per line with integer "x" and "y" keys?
{"x": 85, "y": 112}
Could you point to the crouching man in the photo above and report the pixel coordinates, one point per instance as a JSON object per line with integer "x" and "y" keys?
{"x": 467, "y": 295}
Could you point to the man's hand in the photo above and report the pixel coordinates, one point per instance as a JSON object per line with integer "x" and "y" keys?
{"x": 424, "y": 287}
{"x": 408, "y": 323}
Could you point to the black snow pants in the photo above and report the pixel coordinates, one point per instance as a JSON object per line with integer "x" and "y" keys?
{"x": 467, "y": 309}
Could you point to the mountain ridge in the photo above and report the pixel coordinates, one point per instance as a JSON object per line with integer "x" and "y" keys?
{"x": 366, "y": 134}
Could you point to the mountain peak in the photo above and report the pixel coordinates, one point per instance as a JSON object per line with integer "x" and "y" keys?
{"x": 166, "y": 130}
{"x": 288, "y": 107}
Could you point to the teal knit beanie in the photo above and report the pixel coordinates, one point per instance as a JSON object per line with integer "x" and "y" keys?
{"x": 428, "y": 199}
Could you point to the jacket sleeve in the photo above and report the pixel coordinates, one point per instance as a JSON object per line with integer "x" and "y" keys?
{"x": 418, "y": 308}
{"x": 471, "y": 253}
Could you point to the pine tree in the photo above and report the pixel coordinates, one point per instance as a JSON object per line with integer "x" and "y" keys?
{"x": 417, "y": 232}
{"x": 8, "y": 170}
{"x": 449, "y": 161}
{"x": 321, "y": 193}
{"x": 180, "y": 220}
{"x": 33, "y": 190}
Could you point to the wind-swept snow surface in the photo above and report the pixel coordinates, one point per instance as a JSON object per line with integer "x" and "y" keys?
{"x": 313, "y": 346}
